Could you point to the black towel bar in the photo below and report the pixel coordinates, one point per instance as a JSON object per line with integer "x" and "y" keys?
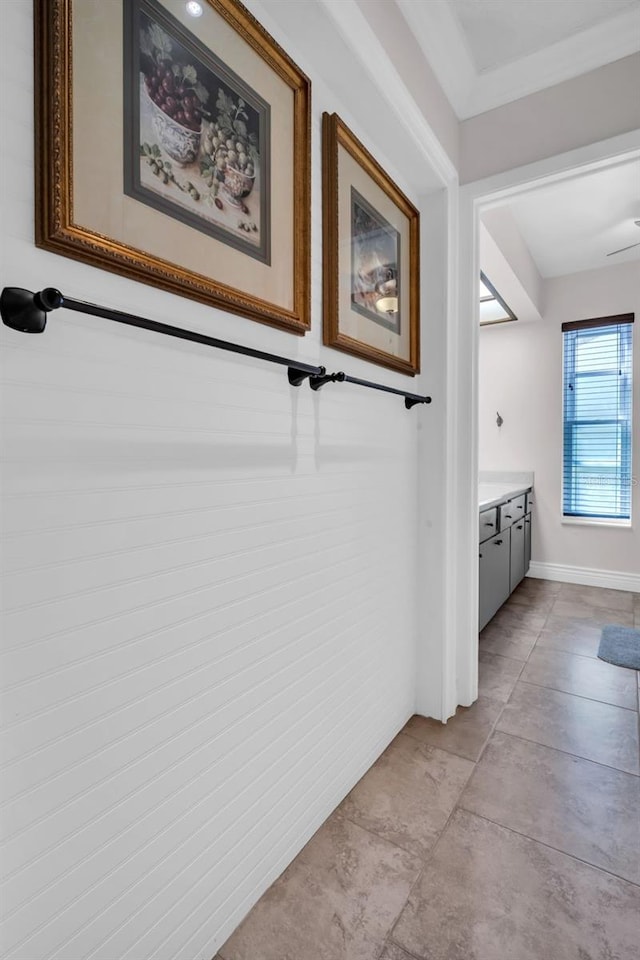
{"x": 27, "y": 312}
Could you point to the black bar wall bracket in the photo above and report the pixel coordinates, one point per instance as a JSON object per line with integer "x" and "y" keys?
{"x": 316, "y": 383}
{"x": 27, "y": 312}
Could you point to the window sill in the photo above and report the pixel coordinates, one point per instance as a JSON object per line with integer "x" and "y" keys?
{"x": 588, "y": 522}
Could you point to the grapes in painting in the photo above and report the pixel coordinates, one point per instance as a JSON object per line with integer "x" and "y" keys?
{"x": 202, "y": 134}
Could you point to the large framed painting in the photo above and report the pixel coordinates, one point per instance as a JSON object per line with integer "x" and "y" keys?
{"x": 371, "y": 256}
{"x": 173, "y": 147}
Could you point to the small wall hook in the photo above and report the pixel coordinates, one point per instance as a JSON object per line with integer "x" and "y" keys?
{"x": 499, "y": 420}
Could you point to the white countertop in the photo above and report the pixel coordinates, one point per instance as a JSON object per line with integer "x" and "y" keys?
{"x": 490, "y": 494}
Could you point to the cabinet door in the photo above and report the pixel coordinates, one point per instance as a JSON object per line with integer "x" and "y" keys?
{"x": 494, "y": 576}
{"x": 527, "y": 543}
{"x": 517, "y": 554}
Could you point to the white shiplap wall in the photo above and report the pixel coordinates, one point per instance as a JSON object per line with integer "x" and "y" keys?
{"x": 209, "y": 591}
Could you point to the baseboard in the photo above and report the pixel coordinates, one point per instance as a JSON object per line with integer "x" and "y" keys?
{"x": 613, "y": 579}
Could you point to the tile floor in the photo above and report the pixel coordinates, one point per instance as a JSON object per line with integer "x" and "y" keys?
{"x": 510, "y": 833}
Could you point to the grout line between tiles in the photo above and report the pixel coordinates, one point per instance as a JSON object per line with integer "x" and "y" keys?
{"x": 409, "y": 953}
{"x": 578, "y": 696}
{"x": 431, "y": 853}
{"x": 545, "y": 686}
{"x": 567, "y": 753}
{"x": 572, "y": 856}
{"x": 374, "y": 833}
{"x": 514, "y": 736}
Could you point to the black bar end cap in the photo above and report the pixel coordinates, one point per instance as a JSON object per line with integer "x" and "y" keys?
{"x": 26, "y": 311}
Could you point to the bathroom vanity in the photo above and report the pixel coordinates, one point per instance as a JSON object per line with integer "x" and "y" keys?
{"x": 504, "y": 541}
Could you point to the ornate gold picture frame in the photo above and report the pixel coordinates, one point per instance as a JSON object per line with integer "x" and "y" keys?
{"x": 371, "y": 261}
{"x": 173, "y": 147}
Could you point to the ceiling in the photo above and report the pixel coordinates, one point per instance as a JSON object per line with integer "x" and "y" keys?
{"x": 486, "y": 53}
{"x": 572, "y": 225}
{"x": 500, "y": 31}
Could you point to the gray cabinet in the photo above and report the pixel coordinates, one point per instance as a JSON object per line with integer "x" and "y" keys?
{"x": 504, "y": 552}
{"x": 516, "y": 554}
{"x": 494, "y": 559}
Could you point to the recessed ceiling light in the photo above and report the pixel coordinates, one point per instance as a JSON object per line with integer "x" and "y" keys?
{"x": 194, "y": 9}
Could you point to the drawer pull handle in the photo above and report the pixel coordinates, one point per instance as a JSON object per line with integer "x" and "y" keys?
{"x": 519, "y": 527}
{"x": 487, "y": 524}
{"x": 508, "y": 516}
{"x": 498, "y": 542}
{"x": 480, "y": 556}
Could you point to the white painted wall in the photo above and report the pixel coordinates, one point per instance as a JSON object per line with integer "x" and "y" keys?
{"x": 595, "y": 106}
{"x": 210, "y": 590}
{"x": 520, "y": 376}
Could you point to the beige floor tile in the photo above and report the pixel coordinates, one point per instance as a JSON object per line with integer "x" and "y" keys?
{"x": 519, "y": 617}
{"x": 408, "y": 794}
{"x": 568, "y": 803}
{"x": 582, "y": 676}
{"x": 597, "y": 616}
{"x": 489, "y": 894}
{"x": 336, "y": 901}
{"x": 507, "y": 642}
{"x": 534, "y": 587}
{"x": 571, "y": 634}
{"x": 586, "y": 728}
{"x": 620, "y": 600}
{"x": 497, "y": 676}
{"x": 465, "y": 734}
{"x": 540, "y": 603}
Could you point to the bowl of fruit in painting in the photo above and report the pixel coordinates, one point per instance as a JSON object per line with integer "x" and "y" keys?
{"x": 239, "y": 171}
{"x": 177, "y": 118}
{"x": 231, "y": 158}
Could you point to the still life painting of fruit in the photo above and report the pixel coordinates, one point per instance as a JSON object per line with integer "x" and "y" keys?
{"x": 375, "y": 255}
{"x": 197, "y": 140}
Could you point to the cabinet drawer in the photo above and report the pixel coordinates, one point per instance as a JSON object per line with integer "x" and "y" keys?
{"x": 512, "y": 511}
{"x": 529, "y": 502}
{"x": 488, "y": 524}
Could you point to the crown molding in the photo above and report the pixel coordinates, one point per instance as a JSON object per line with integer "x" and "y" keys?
{"x": 362, "y": 40}
{"x": 442, "y": 42}
{"x": 577, "y": 55}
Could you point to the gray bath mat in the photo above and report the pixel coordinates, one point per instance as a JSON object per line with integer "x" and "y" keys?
{"x": 620, "y": 645}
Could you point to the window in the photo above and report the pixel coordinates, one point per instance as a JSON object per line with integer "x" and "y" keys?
{"x": 597, "y": 392}
{"x": 493, "y": 309}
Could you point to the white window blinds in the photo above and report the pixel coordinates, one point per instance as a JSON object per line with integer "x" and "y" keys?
{"x": 598, "y": 393}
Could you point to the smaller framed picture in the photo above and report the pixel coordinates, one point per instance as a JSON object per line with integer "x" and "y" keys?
{"x": 371, "y": 256}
